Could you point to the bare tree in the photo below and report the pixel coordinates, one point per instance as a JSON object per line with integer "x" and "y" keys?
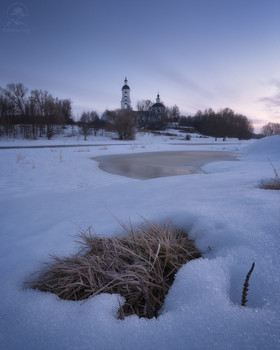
{"x": 16, "y": 94}
{"x": 64, "y": 105}
{"x": 7, "y": 114}
{"x": 89, "y": 121}
{"x": 172, "y": 113}
{"x": 144, "y": 105}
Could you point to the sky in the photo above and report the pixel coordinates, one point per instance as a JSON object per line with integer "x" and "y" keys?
{"x": 196, "y": 53}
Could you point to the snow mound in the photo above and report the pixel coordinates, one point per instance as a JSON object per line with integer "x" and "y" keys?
{"x": 266, "y": 148}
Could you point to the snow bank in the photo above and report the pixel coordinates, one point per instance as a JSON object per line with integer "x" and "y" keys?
{"x": 266, "y": 148}
{"x": 232, "y": 220}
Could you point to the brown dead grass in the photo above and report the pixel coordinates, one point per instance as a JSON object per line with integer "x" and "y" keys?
{"x": 273, "y": 184}
{"x": 140, "y": 266}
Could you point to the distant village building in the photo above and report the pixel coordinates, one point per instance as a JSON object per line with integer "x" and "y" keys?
{"x": 153, "y": 118}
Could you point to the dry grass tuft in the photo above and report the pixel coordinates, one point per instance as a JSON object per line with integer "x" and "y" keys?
{"x": 140, "y": 266}
{"x": 273, "y": 184}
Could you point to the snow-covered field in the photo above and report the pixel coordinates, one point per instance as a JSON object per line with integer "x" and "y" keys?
{"x": 49, "y": 194}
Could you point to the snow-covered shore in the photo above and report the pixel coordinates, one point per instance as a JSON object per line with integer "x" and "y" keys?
{"x": 49, "y": 194}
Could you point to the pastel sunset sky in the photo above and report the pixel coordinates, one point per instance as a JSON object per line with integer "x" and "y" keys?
{"x": 196, "y": 53}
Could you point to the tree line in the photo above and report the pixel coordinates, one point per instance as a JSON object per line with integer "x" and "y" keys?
{"x": 223, "y": 123}
{"x": 271, "y": 129}
{"x": 37, "y": 112}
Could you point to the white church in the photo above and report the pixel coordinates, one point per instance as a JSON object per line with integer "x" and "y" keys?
{"x": 125, "y": 102}
{"x": 153, "y": 118}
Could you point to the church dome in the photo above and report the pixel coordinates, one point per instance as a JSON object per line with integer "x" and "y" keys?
{"x": 125, "y": 87}
{"x": 158, "y": 104}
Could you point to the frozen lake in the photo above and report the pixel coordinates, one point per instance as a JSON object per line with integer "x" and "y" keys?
{"x": 159, "y": 164}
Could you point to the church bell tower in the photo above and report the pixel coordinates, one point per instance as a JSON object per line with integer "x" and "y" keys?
{"x": 125, "y": 102}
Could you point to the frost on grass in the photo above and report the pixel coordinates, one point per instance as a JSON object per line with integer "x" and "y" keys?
{"x": 140, "y": 266}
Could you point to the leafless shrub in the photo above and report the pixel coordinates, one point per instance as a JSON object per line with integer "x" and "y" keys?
{"x": 140, "y": 266}
{"x": 124, "y": 124}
